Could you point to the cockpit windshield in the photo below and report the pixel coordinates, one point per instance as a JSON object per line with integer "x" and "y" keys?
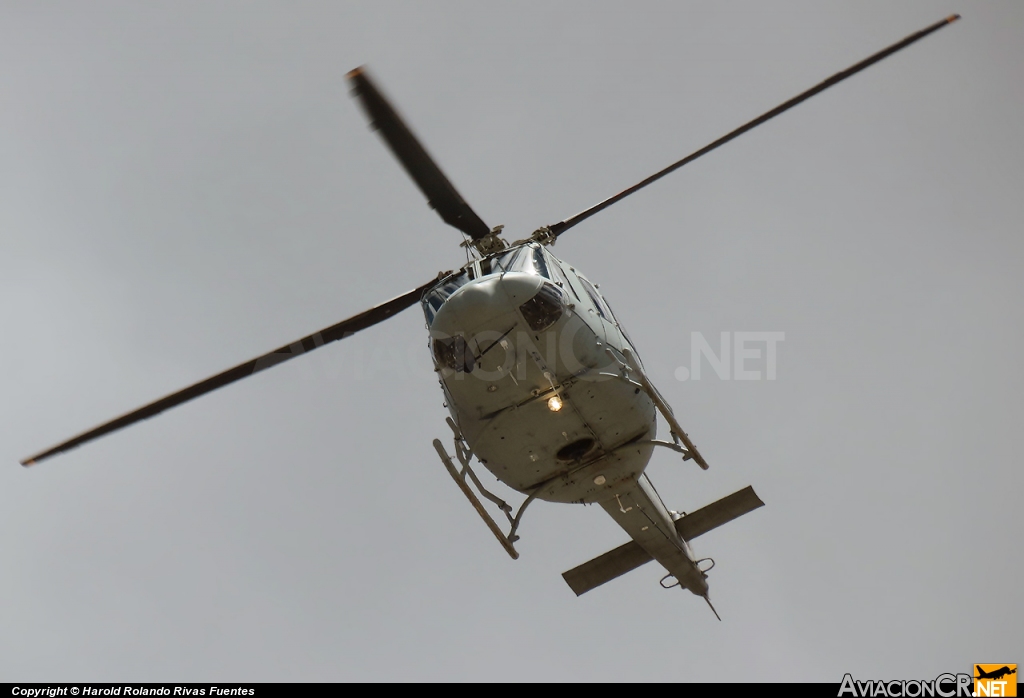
{"x": 528, "y": 259}
{"x": 501, "y": 263}
{"x": 534, "y": 262}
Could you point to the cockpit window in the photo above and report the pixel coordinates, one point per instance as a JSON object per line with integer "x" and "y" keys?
{"x": 433, "y": 301}
{"x": 544, "y": 309}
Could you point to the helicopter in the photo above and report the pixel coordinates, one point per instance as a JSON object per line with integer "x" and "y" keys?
{"x": 544, "y": 387}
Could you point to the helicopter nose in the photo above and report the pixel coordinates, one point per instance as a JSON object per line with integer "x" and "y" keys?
{"x": 480, "y": 303}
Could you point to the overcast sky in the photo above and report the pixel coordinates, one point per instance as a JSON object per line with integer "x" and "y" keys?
{"x": 186, "y": 185}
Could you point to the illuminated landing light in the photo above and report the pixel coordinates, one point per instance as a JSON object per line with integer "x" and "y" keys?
{"x": 600, "y": 480}
{"x": 554, "y": 403}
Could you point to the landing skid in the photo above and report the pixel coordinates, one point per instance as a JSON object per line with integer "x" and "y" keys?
{"x": 464, "y": 454}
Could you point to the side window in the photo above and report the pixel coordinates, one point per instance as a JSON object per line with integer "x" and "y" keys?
{"x": 559, "y": 277}
{"x": 602, "y": 309}
{"x": 622, "y": 329}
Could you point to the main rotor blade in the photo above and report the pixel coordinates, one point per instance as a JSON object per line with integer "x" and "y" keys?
{"x": 341, "y": 330}
{"x": 562, "y": 226}
{"x": 440, "y": 193}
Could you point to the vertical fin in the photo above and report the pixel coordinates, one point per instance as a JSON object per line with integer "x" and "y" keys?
{"x": 712, "y": 608}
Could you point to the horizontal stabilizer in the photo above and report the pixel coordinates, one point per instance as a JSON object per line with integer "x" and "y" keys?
{"x": 629, "y": 556}
{"x": 721, "y": 512}
{"x": 605, "y": 568}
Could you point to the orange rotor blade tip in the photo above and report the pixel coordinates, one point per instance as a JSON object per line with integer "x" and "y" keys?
{"x": 356, "y": 72}
{"x": 952, "y": 18}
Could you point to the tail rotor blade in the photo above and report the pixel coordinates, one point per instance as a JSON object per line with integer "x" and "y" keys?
{"x": 440, "y": 193}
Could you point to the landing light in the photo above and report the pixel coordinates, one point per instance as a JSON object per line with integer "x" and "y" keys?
{"x": 555, "y": 403}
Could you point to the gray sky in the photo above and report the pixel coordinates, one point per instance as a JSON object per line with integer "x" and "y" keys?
{"x": 186, "y": 185}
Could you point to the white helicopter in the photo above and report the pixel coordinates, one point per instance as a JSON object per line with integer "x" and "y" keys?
{"x": 544, "y": 387}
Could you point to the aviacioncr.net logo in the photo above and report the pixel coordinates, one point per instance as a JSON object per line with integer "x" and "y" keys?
{"x": 995, "y": 680}
{"x": 943, "y": 686}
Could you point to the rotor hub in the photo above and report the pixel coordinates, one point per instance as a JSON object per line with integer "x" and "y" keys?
{"x": 489, "y": 243}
